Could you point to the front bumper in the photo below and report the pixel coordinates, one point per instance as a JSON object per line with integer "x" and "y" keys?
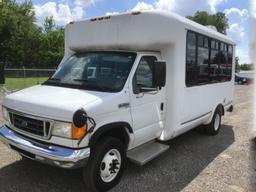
{"x": 49, "y": 154}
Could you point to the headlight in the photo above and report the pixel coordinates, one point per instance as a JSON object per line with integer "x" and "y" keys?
{"x": 68, "y": 130}
{"x": 76, "y": 130}
{"x": 62, "y": 129}
{"x": 5, "y": 114}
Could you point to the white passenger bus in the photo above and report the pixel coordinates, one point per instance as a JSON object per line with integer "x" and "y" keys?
{"x": 125, "y": 83}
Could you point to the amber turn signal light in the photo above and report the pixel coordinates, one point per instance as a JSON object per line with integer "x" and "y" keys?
{"x": 79, "y": 125}
{"x": 78, "y": 133}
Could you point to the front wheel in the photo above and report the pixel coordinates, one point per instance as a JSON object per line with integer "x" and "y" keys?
{"x": 214, "y": 127}
{"x": 106, "y": 165}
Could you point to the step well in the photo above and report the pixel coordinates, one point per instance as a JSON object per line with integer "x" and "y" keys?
{"x": 145, "y": 153}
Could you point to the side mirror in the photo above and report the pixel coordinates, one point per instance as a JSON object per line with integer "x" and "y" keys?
{"x": 79, "y": 118}
{"x": 160, "y": 73}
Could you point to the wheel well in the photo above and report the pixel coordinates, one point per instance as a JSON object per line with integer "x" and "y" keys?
{"x": 119, "y": 132}
{"x": 221, "y": 108}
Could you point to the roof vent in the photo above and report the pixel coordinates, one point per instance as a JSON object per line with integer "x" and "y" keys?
{"x": 212, "y": 27}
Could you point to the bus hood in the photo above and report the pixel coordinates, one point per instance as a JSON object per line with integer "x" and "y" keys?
{"x": 51, "y": 102}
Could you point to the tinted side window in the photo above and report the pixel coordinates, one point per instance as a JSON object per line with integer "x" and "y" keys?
{"x": 191, "y": 59}
{"x": 214, "y": 61}
{"x": 223, "y": 65}
{"x": 202, "y": 60}
{"x": 207, "y": 60}
{"x": 230, "y": 61}
{"x": 144, "y": 73}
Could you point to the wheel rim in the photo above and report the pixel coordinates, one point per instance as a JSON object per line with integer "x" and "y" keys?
{"x": 110, "y": 165}
{"x": 217, "y": 122}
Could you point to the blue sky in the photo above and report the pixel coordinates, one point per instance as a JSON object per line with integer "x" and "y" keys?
{"x": 237, "y": 12}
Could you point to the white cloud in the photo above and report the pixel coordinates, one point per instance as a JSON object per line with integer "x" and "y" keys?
{"x": 78, "y": 12}
{"x": 253, "y": 8}
{"x": 243, "y": 55}
{"x": 236, "y": 32}
{"x": 112, "y": 13}
{"x": 61, "y": 13}
{"x": 237, "y": 19}
{"x": 214, "y": 3}
{"x": 84, "y": 3}
{"x": 182, "y": 7}
{"x": 142, "y": 6}
{"x": 166, "y": 5}
{"x": 236, "y": 15}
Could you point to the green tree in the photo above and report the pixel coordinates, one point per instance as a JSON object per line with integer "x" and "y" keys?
{"x": 219, "y": 20}
{"x": 246, "y": 67}
{"x": 17, "y": 32}
{"x": 23, "y": 43}
{"x": 49, "y": 24}
{"x": 52, "y": 48}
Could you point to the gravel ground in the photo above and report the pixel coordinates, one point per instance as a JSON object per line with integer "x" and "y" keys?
{"x": 194, "y": 162}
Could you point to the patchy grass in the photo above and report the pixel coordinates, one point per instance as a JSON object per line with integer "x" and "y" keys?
{"x": 20, "y": 83}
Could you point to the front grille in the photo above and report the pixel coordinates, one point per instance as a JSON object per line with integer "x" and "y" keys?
{"x": 30, "y": 125}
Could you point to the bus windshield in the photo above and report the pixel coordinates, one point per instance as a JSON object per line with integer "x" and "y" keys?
{"x": 98, "y": 71}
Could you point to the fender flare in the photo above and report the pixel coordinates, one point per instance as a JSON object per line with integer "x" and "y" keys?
{"x": 220, "y": 106}
{"x": 109, "y": 127}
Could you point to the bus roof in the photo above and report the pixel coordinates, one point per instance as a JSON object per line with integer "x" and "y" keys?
{"x": 135, "y": 31}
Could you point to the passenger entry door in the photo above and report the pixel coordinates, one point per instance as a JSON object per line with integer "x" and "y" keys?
{"x": 147, "y": 105}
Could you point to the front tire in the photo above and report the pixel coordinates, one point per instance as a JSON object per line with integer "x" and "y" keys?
{"x": 106, "y": 165}
{"x": 214, "y": 127}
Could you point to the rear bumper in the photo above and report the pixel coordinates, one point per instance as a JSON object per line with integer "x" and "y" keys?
{"x": 49, "y": 154}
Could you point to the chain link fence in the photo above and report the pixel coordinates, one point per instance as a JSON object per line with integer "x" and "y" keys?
{"x": 22, "y": 78}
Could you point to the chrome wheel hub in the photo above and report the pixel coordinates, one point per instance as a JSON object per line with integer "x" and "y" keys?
{"x": 217, "y": 122}
{"x": 110, "y": 165}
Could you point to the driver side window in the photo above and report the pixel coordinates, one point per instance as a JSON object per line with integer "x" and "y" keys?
{"x": 144, "y": 73}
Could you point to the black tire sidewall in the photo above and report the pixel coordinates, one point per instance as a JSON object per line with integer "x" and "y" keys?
{"x": 210, "y": 128}
{"x": 92, "y": 170}
{"x": 213, "y": 122}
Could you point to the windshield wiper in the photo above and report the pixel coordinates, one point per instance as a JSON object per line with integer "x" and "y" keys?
{"x": 95, "y": 86}
{"x": 54, "y": 79}
{"x": 81, "y": 80}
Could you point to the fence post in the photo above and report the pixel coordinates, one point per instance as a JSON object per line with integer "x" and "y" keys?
{"x": 24, "y": 76}
{"x": 2, "y": 73}
{"x": 37, "y": 76}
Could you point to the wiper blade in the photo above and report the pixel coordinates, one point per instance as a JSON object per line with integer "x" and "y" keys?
{"x": 81, "y": 80}
{"x": 94, "y": 85}
{"x": 54, "y": 79}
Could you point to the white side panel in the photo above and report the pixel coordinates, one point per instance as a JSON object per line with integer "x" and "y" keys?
{"x": 188, "y": 107}
{"x": 174, "y": 55}
{"x": 204, "y": 99}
